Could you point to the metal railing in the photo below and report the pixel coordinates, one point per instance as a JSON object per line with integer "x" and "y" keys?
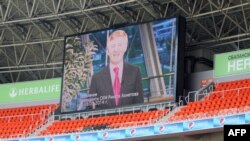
{"x": 44, "y": 114}
{"x": 141, "y": 107}
{"x": 207, "y": 115}
{"x": 198, "y": 95}
{"x": 223, "y": 92}
{"x": 145, "y": 122}
{"x": 214, "y": 113}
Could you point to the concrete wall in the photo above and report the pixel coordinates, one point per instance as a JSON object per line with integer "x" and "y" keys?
{"x": 193, "y": 80}
{"x": 194, "y": 56}
{"x": 233, "y": 77}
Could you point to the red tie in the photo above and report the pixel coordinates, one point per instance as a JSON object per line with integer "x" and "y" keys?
{"x": 117, "y": 86}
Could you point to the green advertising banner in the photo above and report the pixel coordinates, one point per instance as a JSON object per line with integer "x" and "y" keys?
{"x": 30, "y": 91}
{"x": 237, "y": 62}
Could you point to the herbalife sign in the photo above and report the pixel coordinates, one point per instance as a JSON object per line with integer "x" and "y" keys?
{"x": 231, "y": 63}
{"x": 30, "y": 91}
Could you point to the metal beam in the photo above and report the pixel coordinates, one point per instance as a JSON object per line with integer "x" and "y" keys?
{"x": 116, "y": 11}
{"x": 231, "y": 19}
{"x": 7, "y": 11}
{"x": 218, "y": 11}
{"x": 229, "y": 42}
{"x": 194, "y": 19}
{"x": 150, "y": 12}
{"x": 33, "y": 42}
{"x": 244, "y": 17}
{"x": 242, "y": 35}
{"x": 55, "y": 16}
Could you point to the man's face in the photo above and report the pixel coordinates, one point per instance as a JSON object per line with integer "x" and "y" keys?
{"x": 116, "y": 49}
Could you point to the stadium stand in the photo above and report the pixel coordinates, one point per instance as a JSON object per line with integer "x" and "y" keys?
{"x": 228, "y": 98}
{"x": 103, "y": 122}
{"x": 22, "y": 121}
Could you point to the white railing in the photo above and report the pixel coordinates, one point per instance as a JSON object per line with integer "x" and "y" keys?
{"x": 145, "y": 122}
{"x": 214, "y": 113}
{"x": 201, "y": 93}
{"x": 222, "y": 92}
{"x": 45, "y": 116}
{"x": 196, "y": 96}
{"x": 142, "y": 107}
{"x": 172, "y": 110}
{"x": 206, "y": 115}
{"x": 20, "y": 117}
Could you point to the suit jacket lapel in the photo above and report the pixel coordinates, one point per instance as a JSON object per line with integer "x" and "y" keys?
{"x": 108, "y": 85}
{"x": 125, "y": 75}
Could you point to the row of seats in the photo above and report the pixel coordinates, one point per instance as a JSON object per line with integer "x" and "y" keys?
{"x": 112, "y": 121}
{"x": 228, "y": 98}
{"x": 21, "y": 121}
{"x": 232, "y": 84}
{"x": 26, "y": 110}
{"x": 20, "y": 118}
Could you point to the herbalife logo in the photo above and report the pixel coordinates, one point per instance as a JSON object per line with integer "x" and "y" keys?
{"x": 47, "y": 89}
{"x": 13, "y": 93}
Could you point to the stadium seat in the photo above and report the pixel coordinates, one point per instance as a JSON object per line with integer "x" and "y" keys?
{"x": 228, "y": 98}
{"x": 103, "y": 122}
{"x": 22, "y": 121}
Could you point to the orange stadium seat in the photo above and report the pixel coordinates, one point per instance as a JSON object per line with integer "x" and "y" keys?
{"x": 228, "y": 98}
{"x": 112, "y": 121}
{"x": 21, "y": 121}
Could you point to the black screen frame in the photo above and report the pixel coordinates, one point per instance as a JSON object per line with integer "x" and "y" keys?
{"x": 179, "y": 58}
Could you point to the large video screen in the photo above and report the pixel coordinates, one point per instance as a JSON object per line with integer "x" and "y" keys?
{"x": 122, "y": 66}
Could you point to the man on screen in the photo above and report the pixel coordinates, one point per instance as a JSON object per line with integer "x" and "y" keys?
{"x": 119, "y": 83}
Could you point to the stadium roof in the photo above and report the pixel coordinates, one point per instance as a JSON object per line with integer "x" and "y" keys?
{"x": 32, "y": 31}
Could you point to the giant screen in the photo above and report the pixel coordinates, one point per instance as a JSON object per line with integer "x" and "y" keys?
{"x": 122, "y": 66}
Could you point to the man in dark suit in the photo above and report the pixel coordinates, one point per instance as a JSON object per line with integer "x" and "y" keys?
{"x": 119, "y": 83}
